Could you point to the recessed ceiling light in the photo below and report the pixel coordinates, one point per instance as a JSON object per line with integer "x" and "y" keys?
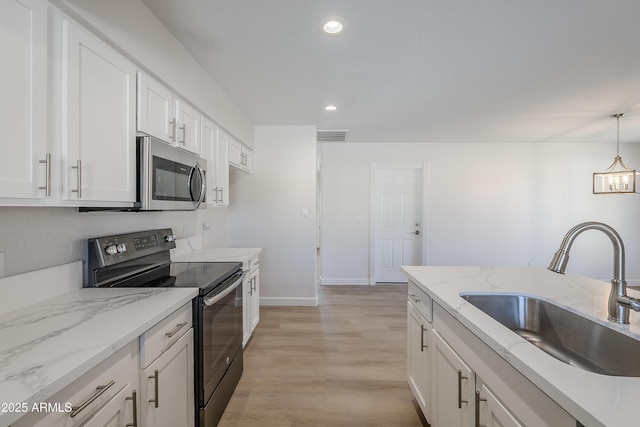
{"x": 330, "y": 108}
{"x": 333, "y": 26}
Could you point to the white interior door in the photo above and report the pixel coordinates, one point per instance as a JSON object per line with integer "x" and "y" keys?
{"x": 397, "y": 222}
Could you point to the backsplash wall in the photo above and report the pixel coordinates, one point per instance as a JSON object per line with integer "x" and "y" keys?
{"x": 32, "y": 238}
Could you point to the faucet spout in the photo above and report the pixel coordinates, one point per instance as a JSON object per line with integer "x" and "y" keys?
{"x": 619, "y": 302}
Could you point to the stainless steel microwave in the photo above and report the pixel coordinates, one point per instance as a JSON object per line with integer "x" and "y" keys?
{"x": 169, "y": 178}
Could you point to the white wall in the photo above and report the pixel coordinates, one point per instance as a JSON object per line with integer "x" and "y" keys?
{"x": 275, "y": 208}
{"x": 486, "y": 204}
{"x": 34, "y": 238}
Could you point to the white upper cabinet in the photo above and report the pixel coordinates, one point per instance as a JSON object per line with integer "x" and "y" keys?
{"x": 240, "y": 156}
{"x": 215, "y": 146}
{"x": 155, "y": 109}
{"x": 188, "y": 122}
{"x": 163, "y": 115}
{"x": 99, "y": 131}
{"x": 23, "y": 43}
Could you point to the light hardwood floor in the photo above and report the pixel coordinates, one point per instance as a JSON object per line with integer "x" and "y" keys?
{"x": 340, "y": 364}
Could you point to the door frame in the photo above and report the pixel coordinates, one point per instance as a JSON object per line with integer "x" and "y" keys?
{"x": 373, "y": 167}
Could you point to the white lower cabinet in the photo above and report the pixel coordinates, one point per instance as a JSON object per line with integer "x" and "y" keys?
{"x": 147, "y": 383}
{"x": 467, "y": 383}
{"x": 104, "y": 396}
{"x": 251, "y": 296}
{"x": 254, "y": 293}
{"x": 453, "y": 386}
{"x": 166, "y": 387}
{"x": 490, "y": 412}
{"x": 419, "y": 357}
{"x": 116, "y": 412}
{"x": 166, "y": 372}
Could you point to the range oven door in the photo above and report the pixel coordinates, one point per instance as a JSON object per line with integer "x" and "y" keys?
{"x": 221, "y": 328}
{"x": 169, "y": 178}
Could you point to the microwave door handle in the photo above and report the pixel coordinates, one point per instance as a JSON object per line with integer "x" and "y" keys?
{"x": 203, "y": 187}
{"x": 190, "y": 185}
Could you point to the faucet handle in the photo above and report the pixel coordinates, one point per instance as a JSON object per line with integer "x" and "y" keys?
{"x": 629, "y": 302}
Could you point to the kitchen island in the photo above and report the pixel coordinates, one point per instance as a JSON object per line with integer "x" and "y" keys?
{"x": 590, "y": 398}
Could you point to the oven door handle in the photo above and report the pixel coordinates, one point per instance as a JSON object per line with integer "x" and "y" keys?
{"x": 214, "y": 299}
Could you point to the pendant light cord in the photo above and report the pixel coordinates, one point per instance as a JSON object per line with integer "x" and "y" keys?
{"x": 618, "y": 136}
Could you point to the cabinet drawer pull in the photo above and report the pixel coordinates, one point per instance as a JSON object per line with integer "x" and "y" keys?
{"x": 78, "y": 166}
{"x": 75, "y": 410}
{"x": 176, "y": 329}
{"x": 47, "y": 174}
{"x": 413, "y": 298}
{"x": 422, "y": 331}
{"x": 183, "y": 128}
{"x": 155, "y": 377}
{"x": 172, "y": 135}
{"x": 460, "y": 378}
{"x": 134, "y": 399}
{"x": 478, "y": 400}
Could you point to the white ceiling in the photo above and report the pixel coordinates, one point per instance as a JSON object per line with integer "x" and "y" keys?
{"x": 424, "y": 70}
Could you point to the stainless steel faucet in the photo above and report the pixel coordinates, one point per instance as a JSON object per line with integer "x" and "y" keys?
{"x": 619, "y": 302}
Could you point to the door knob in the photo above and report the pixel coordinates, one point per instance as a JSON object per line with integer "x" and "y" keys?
{"x": 416, "y": 232}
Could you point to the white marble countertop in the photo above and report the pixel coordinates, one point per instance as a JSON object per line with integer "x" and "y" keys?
{"x": 591, "y": 398}
{"x": 46, "y": 346}
{"x": 216, "y": 255}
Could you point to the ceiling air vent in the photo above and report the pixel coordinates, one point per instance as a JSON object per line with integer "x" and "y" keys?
{"x": 335, "y": 135}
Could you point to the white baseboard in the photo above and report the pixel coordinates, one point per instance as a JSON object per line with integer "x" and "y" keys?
{"x": 361, "y": 281}
{"x": 289, "y": 302}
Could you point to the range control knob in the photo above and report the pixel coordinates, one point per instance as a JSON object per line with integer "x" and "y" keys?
{"x": 170, "y": 238}
{"x": 111, "y": 250}
{"x": 121, "y": 248}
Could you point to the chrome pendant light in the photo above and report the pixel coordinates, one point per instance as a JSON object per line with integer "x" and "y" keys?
{"x": 618, "y": 178}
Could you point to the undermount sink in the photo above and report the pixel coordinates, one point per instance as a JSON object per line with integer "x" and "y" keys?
{"x": 568, "y": 337}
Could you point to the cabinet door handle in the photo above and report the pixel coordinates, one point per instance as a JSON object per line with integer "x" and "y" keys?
{"x": 478, "y": 400}
{"x": 172, "y": 135}
{"x": 78, "y": 167}
{"x": 215, "y": 194}
{"x": 134, "y": 399}
{"x": 422, "y": 331}
{"x": 413, "y": 298}
{"x": 183, "y": 129}
{"x": 460, "y": 378}
{"x": 75, "y": 410}
{"x": 47, "y": 175}
{"x": 253, "y": 285}
{"x": 176, "y": 329}
{"x": 155, "y": 377}
{"x": 221, "y": 195}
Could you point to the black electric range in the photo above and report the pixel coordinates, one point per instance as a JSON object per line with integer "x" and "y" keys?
{"x": 143, "y": 260}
